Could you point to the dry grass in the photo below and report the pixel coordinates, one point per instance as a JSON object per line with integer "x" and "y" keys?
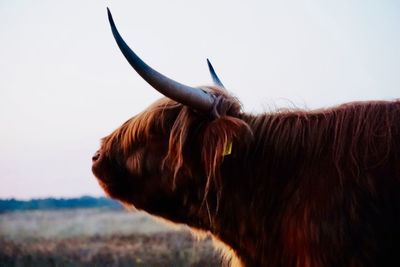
{"x": 97, "y": 237}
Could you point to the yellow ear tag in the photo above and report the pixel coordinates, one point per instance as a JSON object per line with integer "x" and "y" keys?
{"x": 228, "y": 149}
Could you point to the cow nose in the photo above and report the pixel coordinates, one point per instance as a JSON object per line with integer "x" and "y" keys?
{"x": 96, "y": 156}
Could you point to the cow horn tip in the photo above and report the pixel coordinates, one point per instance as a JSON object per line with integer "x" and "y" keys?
{"x": 110, "y": 18}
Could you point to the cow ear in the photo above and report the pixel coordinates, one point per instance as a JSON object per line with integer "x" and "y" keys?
{"x": 221, "y": 139}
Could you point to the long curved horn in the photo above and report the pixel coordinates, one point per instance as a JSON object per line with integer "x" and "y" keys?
{"x": 214, "y": 75}
{"x": 189, "y": 96}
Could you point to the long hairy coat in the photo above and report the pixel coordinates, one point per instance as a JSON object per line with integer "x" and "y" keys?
{"x": 286, "y": 188}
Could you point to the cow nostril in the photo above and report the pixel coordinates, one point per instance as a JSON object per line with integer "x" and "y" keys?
{"x": 96, "y": 156}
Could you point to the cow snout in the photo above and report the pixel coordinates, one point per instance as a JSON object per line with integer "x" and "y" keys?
{"x": 96, "y": 156}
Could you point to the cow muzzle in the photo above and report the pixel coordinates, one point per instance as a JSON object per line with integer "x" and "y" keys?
{"x": 96, "y": 156}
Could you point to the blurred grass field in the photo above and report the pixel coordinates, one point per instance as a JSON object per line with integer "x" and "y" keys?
{"x": 98, "y": 237}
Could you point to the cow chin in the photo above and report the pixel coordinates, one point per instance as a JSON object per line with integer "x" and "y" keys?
{"x": 106, "y": 183}
{"x": 114, "y": 185}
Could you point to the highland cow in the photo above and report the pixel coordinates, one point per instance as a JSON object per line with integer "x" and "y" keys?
{"x": 288, "y": 188}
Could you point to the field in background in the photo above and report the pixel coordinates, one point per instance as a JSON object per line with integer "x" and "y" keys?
{"x": 98, "y": 237}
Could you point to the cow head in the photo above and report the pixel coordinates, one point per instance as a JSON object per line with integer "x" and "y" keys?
{"x": 166, "y": 160}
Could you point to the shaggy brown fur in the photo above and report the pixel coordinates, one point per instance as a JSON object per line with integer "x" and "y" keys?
{"x": 319, "y": 188}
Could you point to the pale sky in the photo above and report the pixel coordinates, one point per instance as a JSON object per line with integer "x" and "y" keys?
{"x": 64, "y": 84}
